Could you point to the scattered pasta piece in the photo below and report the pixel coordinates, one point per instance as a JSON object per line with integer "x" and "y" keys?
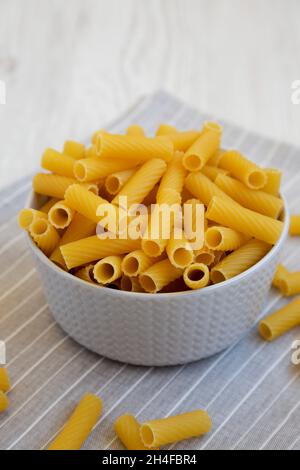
{"x": 79, "y": 425}
{"x": 280, "y": 322}
{"x": 164, "y": 431}
{"x": 289, "y": 284}
{"x": 4, "y": 380}
{"x": 127, "y": 429}
{"x": 4, "y": 403}
{"x": 295, "y": 225}
{"x": 281, "y": 271}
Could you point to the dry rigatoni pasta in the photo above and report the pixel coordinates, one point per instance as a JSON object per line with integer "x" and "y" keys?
{"x": 203, "y": 188}
{"x": 136, "y": 262}
{"x": 27, "y": 216}
{"x": 90, "y": 169}
{"x": 202, "y": 149}
{"x": 90, "y": 249}
{"x": 196, "y": 276}
{"x": 108, "y": 269}
{"x": 164, "y": 431}
{"x": 224, "y": 238}
{"x": 295, "y": 225}
{"x": 80, "y": 424}
{"x": 251, "y": 223}
{"x": 280, "y": 273}
{"x": 205, "y": 256}
{"x": 255, "y": 200}
{"x": 141, "y": 183}
{"x": 48, "y": 204}
{"x": 243, "y": 169}
{"x": 45, "y": 235}
{"x": 180, "y": 252}
{"x": 213, "y": 171}
{"x": 130, "y": 284}
{"x": 137, "y": 148}
{"x": 61, "y": 215}
{"x": 127, "y": 428}
{"x": 240, "y": 260}
{"x": 273, "y": 181}
{"x": 280, "y": 322}
{"x": 159, "y": 275}
{"x": 4, "y": 403}
{"x": 4, "y": 380}
{"x": 79, "y": 228}
{"x": 51, "y": 185}
{"x": 183, "y": 140}
{"x": 59, "y": 163}
{"x": 115, "y": 181}
{"x": 87, "y": 274}
{"x": 289, "y": 284}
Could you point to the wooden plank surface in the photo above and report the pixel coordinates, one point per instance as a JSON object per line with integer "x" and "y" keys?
{"x": 71, "y": 66}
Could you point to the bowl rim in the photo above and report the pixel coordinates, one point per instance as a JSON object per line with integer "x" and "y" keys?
{"x": 165, "y": 295}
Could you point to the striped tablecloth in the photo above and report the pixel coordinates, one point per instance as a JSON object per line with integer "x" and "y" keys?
{"x": 251, "y": 390}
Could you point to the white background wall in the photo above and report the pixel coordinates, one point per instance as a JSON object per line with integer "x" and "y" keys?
{"x": 72, "y": 65}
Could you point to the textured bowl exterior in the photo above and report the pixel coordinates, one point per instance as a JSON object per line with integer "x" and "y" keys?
{"x": 159, "y": 329}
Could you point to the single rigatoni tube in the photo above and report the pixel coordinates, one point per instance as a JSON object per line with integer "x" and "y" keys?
{"x": 290, "y": 284}
{"x": 273, "y": 181}
{"x": 91, "y": 249}
{"x": 164, "y": 431}
{"x": 136, "y": 262}
{"x": 141, "y": 183}
{"x": 57, "y": 162}
{"x": 130, "y": 284}
{"x": 203, "y": 188}
{"x": 179, "y": 252}
{"x": 4, "y": 403}
{"x": 202, "y": 150}
{"x": 243, "y": 169}
{"x": 255, "y": 200}
{"x": 196, "y": 276}
{"x": 86, "y": 274}
{"x": 108, "y": 269}
{"x": 51, "y": 185}
{"x": 4, "y": 380}
{"x": 94, "y": 136}
{"x": 74, "y": 149}
{"x": 213, "y": 171}
{"x": 61, "y": 215}
{"x": 183, "y": 140}
{"x": 280, "y": 322}
{"x": 47, "y": 206}
{"x": 80, "y": 424}
{"x": 239, "y": 261}
{"x": 174, "y": 176}
{"x": 45, "y": 235}
{"x": 27, "y": 216}
{"x": 251, "y": 223}
{"x": 224, "y": 238}
{"x": 165, "y": 129}
{"x": 88, "y": 204}
{"x": 295, "y": 225}
{"x": 127, "y": 428}
{"x": 135, "y": 129}
{"x": 115, "y": 182}
{"x": 213, "y": 126}
{"x": 137, "y": 148}
{"x": 90, "y": 169}
{"x": 280, "y": 273}
{"x": 79, "y": 228}
{"x": 158, "y": 276}
{"x": 205, "y": 256}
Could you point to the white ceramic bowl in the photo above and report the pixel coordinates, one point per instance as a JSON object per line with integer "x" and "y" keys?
{"x": 157, "y": 329}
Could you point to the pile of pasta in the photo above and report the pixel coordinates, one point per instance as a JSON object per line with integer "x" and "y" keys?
{"x": 134, "y": 436}
{"x": 242, "y": 208}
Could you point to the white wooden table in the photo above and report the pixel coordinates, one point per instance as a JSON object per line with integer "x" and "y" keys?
{"x": 69, "y": 67}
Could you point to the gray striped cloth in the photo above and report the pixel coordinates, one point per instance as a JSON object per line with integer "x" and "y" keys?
{"x": 251, "y": 390}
